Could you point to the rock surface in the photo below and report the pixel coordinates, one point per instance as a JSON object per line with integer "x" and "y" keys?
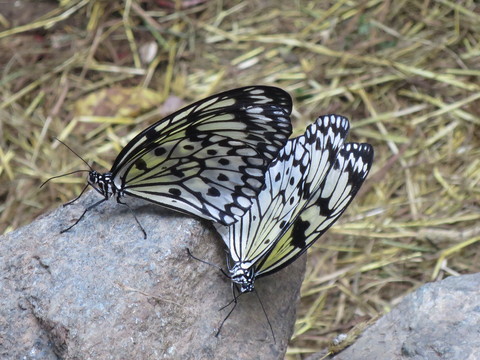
{"x": 439, "y": 321}
{"x": 102, "y": 291}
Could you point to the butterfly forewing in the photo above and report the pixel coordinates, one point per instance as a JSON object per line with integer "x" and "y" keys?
{"x": 324, "y": 139}
{"x": 326, "y": 204}
{"x": 300, "y": 167}
{"x": 203, "y": 184}
{"x": 208, "y": 159}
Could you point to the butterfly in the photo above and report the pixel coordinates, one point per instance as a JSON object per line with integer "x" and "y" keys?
{"x": 208, "y": 159}
{"x": 307, "y": 188}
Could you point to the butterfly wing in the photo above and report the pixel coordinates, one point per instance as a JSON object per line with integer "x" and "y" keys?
{"x": 288, "y": 184}
{"x": 326, "y": 204}
{"x": 248, "y": 237}
{"x": 208, "y": 159}
{"x": 324, "y": 139}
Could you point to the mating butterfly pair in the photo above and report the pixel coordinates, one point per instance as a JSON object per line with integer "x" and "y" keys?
{"x": 228, "y": 159}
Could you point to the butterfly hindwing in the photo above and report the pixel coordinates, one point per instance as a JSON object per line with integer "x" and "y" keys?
{"x": 208, "y": 159}
{"x": 324, "y": 207}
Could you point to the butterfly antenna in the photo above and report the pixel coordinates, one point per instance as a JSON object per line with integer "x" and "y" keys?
{"x": 229, "y": 303}
{"x": 207, "y": 263}
{"x": 226, "y": 317}
{"x": 58, "y": 176}
{"x": 266, "y": 316}
{"x": 235, "y": 297}
{"x": 70, "y": 173}
{"x": 69, "y": 148}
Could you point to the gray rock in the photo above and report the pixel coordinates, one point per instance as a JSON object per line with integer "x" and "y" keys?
{"x": 102, "y": 291}
{"x": 440, "y": 320}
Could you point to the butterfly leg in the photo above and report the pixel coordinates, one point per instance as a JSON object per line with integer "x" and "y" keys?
{"x": 83, "y": 214}
{"x": 134, "y": 216}
{"x": 234, "y": 301}
{"x": 207, "y": 263}
{"x": 266, "y": 316}
{"x": 78, "y": 197}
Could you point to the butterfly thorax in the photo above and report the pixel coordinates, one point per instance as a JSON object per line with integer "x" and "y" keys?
{"x": 104, "y": 184}
{"x": 243, "y": 274}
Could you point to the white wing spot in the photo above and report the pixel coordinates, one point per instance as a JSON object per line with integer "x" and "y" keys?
{"x": 254, "y": 110}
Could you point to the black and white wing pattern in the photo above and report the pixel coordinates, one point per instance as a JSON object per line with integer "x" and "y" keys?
{"x": 272, "y": 208}
{"x": 300, "y": 168}
{"x": 326, "y": 204}
{"x": 208, "y": 159}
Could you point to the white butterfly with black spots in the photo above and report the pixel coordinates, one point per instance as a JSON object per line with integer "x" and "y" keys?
{"x": 307, "y": 188}
{"x": 208, "y": 159}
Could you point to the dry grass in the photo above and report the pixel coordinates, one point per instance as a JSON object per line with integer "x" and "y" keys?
{"x": 406, "y": 73}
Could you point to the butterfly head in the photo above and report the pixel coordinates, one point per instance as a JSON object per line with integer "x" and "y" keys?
{"x": 243, "y": 274}
{"x": 103, "y": 183}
